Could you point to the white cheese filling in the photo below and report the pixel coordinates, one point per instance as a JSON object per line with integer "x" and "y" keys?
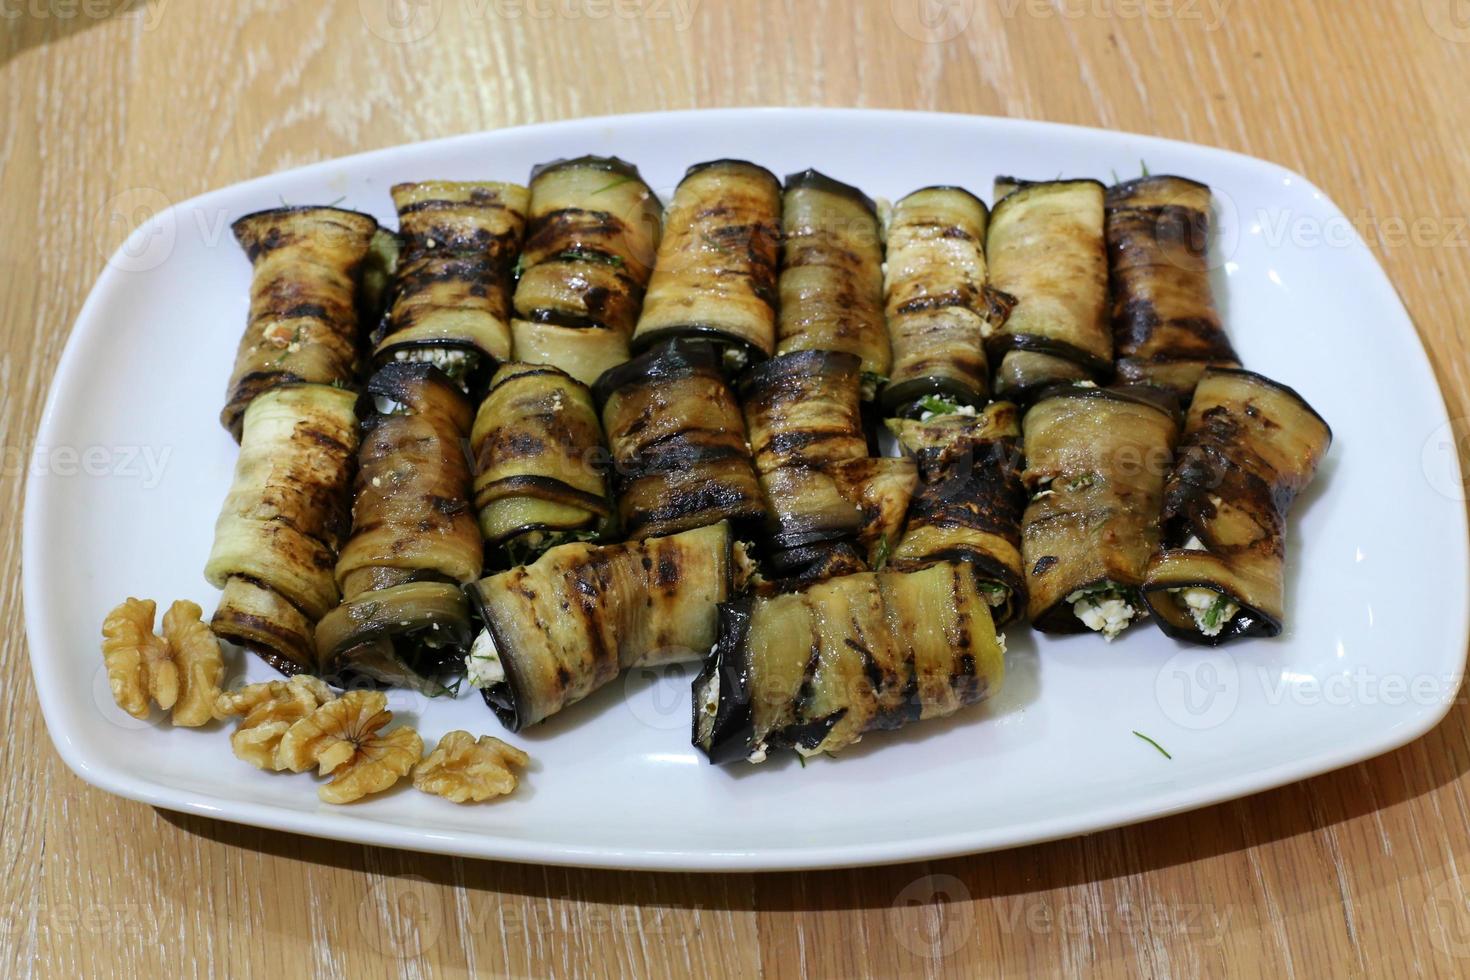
{"x": 1211, "y": 610}
{"x": 1108, "y": 612}
{"x": 482, "y": 667}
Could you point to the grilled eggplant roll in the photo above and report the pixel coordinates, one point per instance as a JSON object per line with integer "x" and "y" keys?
{"x": 559, "y": 629}
{"x": 590, "y": 244}
{"x": 539, "y": 463}
{"x": 1049, "y": 272}
{"x": 804, "y": 416}
{"x": 938, "y": 306}
{"x": 716, "y": 271}
{"x": 1250, "y": 446}
{"x": 679, "y": 455}
{"x": 403, "y": 619}
{"x": 970, "y": 500}
{"x": 1166, "y": 329}
{"x": 831, "y": 285}
{"x": 815, "y": 670}
{"x": 276, "y": 539}
{"x": 304, "y": 302}
{"x": 452, "y": 287}
{"x": 1096, "y": 459}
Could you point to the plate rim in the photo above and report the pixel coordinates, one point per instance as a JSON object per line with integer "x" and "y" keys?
{"x": 343, "y": 825}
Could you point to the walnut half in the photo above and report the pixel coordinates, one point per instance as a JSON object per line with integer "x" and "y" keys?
{"x": 139, "y": 667}
{"x": 197, "y": 658}
{"x": 344, "y": 738}
{"x": 267, "y": 712}
{"x": 463, "y": 769}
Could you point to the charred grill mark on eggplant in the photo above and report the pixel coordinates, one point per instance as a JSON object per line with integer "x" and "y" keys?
{"x": 452, "y": 284}
{"x": 938, "y": 306}
{"x": 970, "y": 500}
{"x": 304, "y": 301}
{"x": 276, "y": 539}
{"x": 540, "y": 462}
{"x": 1048, "y": 264}
{"x": 1166, "y": 329}
{"x": 677, "y": 442}
{"x": 590, "y": 244}
{"x": 1250, "y": 446}
{"x": 403, "y": 619}
{"x": 1095, "y": 465}
{"x": 831, "y": 282}
{"x": 716, "y": 271}
{"x": 582, "y": 613}
{"x": 816, "y": 669}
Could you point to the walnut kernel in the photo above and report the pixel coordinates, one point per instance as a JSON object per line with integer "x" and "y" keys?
{"x": 462, "y": 768}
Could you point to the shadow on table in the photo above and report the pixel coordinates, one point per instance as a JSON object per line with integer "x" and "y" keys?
{"x": 31, "y": 23}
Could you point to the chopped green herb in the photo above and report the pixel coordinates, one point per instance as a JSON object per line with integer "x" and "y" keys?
{"x": 579, "y": 255}
{"x": 339, "y": 199}
{"x": 800, "y": 758}
{"x": 1142, "y": 165}
{"x": 938, "y": 405}
{"x": 1081, "y": 482}
{"x": 1215, "y": 612}
{"x": 1156, "y": 745}
{"x": 616, "y": 183}
{"x": 881, "y": 558}
{"x": 1115, "y": 175}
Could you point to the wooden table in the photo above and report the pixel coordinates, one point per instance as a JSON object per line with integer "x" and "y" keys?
{"x": 110, "y": 108}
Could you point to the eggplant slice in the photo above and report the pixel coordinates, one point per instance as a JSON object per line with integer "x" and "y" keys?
{"x": 403, "y": 620}
{"x": 540, "y": 463}
{"x": 677, "y": 442}
{"x": 1250, "y": 445}
{"x": 557, "y": 630}
{"x": 716, "y": 271}
{"x": 583, "y": 353}
{"x": 831, "y": 284}
{"x": 452, "y": 286}
{"x": 938, "y": 306}
{"x": 1166, "y": 329}
{"x": 1049, "y": 270}
{"x": 815, "y": 670}
{"x": 306, "y": 264}
{"x": 970, "y": 500}
{"x": 804, "y": 415}
{"x": 278, "y": 532}
{"x": 1096, "y": 459}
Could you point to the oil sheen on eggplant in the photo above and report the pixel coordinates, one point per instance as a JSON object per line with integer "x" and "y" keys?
{"x": 304, "y": 301}
{"x": 1049, "y": 270}
{"x": 452, "y": 285}
{"x": 1250, "y": 446}
{"x": 716, "y": 271}
{"x": 287, "y": 512}
{"x": 677, "y": 442}
{"x": 404, "y": 620}
{"x": 540, "y": 463}
{"x": 566, "y": 625}
{"x": 815, "y": 670}
{"x": 937, "y": 303}
{"x": 1096, "y": 459}
{"x": 970, "y": 500}
{"x": 1166, "y": 329}
{"x": 831, "y": 282}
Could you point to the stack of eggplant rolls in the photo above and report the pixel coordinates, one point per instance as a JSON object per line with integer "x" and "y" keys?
{"x": 823, "y": 446}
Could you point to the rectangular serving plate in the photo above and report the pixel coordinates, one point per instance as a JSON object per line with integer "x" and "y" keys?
{"x": 131, "y": 466}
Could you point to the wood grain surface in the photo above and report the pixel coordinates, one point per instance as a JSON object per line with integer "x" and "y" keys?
{"x": 109, "y": 110}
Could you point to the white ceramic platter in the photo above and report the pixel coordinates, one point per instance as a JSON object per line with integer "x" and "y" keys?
{"x": 131, "y": 466}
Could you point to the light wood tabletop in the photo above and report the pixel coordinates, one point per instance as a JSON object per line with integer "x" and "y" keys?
{"x": 110, "y": 109}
